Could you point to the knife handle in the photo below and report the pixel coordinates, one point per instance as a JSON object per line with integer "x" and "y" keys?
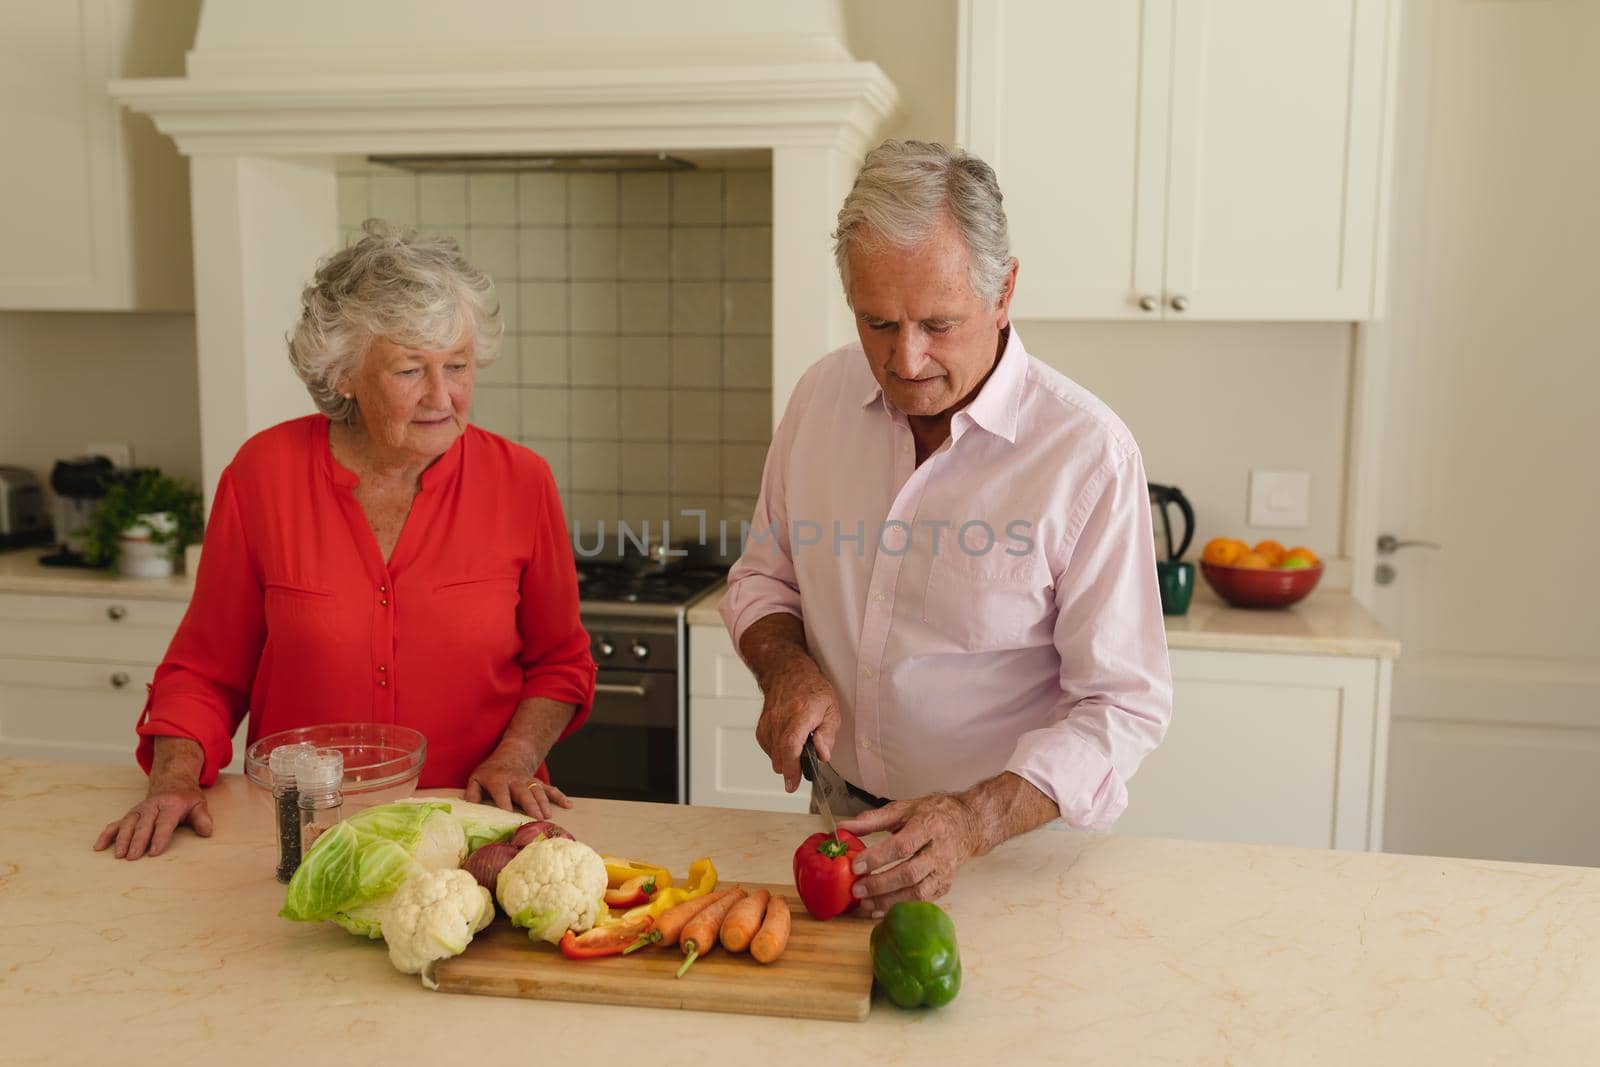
{"x": 808, "y": 760}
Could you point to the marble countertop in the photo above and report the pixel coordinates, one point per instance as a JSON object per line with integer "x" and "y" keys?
{"x": 1115, "y": 949}
{"x": 20, "y": 572}
{"x": 1329, "y": 622}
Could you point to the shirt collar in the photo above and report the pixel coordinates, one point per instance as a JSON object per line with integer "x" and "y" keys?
{"x": 437, "y": 473}
{"x": 997, "y": 403}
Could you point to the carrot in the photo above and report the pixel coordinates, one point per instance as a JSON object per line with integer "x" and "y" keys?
{"x": 700, "y": 936}
{"x": 774, "y": 936}
{"x": 744, "y": 920}
{"x": 672, "y": 922}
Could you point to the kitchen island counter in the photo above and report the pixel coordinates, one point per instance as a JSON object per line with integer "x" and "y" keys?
{"x": 1077, "y": 948}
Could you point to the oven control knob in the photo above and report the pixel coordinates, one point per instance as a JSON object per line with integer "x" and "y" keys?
{"x": 641, "y": 650}
{"x": 605, "y": 648}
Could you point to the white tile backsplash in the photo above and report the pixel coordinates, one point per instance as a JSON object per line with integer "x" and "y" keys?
{"x": 637, "y": 357}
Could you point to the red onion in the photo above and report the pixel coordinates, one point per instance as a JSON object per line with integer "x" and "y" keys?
{"x": 486, "y": 863}
{"x": 538, "y": 830}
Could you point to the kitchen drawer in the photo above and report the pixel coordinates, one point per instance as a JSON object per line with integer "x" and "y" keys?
{"x": 715, "y": 669}
{"x": 87, "y": 628}
{"x": 82, "y": 711}
{"x": 727, "y": 769}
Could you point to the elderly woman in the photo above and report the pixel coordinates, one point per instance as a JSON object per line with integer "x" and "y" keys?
{"x": 381, "y": 561}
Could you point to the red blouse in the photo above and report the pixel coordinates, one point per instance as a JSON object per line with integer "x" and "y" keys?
{"x": 297, "y": 620}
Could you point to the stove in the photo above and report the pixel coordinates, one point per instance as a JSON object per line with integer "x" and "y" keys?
{"x": 635, "y": 743}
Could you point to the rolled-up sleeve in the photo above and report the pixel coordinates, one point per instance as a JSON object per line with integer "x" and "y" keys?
{"x": 555, "y": 655}
{"x": 1116, "y": 679}
{"x": 763, "y": 581}
{"x": 201, "y": 690}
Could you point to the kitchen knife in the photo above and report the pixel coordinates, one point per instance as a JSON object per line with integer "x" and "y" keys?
{"x": 810, "y": 767}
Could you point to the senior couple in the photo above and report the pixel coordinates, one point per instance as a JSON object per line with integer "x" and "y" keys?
{"x": 975, "y": 646}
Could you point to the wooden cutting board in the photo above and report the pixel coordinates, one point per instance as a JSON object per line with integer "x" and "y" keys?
{"x": 826, "y": 972}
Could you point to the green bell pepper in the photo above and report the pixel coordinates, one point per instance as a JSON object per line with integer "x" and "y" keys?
{"x": 914, "y": 955}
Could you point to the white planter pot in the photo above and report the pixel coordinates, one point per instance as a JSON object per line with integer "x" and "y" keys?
{"x": 142, "y": 559}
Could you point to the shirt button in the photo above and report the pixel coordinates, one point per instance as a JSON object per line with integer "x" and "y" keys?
{"x": 384, "y": 601}
{"x": 878, "y": 597}
{"x": 383, "y": 589}
{"x": 382, "y": 668}
{"x": 866, "y": 745}
{"x": 384, "y": 682}
{"x": 867, "y": 671}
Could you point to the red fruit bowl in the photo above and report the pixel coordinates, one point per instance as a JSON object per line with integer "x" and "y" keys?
{"x": 1244, "y": 587}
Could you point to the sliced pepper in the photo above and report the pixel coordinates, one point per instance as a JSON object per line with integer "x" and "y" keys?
{"x": 609, "y": 940}
{"x": 702, "y": 880}
{"x": 633, "y": 892}
{"x": 620, "y": 870}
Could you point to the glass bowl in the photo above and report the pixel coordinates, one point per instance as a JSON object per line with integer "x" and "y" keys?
{"x": 381, "y": 761}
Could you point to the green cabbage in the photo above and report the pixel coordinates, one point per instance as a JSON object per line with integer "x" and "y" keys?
{"x": 483, "y": 824}
{"x": 357, "y": 864}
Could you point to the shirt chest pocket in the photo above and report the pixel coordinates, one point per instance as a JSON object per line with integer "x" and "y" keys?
{"x": 982, "y": 604}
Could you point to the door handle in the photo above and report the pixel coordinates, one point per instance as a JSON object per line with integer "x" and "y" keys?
{"x": 1389, "y": 544}
{"x": 620, "y": 690}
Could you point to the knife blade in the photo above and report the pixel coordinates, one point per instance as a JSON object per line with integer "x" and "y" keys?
{"x": 809, "y": 766}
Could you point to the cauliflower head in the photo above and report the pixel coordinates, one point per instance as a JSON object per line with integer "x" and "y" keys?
{"x": 432, "y": 916}
{"x": 553, "y": 886}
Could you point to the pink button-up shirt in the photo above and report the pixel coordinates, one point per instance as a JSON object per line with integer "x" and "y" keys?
{"x": 992, "y": 609}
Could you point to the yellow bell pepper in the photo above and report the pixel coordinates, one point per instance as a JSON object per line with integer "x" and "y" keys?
{"x": 620, "y": 870}
{"x": 702, "y": 880}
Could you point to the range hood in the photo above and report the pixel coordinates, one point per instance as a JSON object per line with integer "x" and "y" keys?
{"x": 275, "y": 93}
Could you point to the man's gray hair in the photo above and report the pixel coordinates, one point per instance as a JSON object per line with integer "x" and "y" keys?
{"x": 396, "y": 285}
{"x": 904, "y": 189}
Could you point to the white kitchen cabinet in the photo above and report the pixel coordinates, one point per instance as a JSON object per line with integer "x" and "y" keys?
{"x": 1203, "y": 159}
{"x": 73, "y": 671}
{"x": 727, "y": 769}
{"x": 1264, "y": 748}
{"x": 1268, "y": 749}
{"x": 93, "y": 202}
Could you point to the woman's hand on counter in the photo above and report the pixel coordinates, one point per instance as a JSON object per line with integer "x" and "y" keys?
{"x": 175, "y": 798}
{"x": 507, "y": 781}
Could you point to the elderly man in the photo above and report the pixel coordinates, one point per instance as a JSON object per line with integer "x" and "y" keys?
{"x": 950, "y": 583}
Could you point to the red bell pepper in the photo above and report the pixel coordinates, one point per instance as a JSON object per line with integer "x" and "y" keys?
{"x": 822, "y": 873}
{"x": 632, "y": 893}
{"x": 608, "y": 940}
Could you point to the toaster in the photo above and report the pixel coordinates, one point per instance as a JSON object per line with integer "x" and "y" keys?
{"x": 23, "y": 518}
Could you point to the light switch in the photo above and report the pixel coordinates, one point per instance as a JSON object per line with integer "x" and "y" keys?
{"x": 1280, "y": 498}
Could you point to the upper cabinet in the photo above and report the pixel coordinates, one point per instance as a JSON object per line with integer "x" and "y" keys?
{"x": 94, "y": 202}
{"x": 1184, "y": 159}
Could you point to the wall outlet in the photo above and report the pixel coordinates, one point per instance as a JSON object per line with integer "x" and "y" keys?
{"x": 1280, "y": 498}
{"x": 120, "y": 453}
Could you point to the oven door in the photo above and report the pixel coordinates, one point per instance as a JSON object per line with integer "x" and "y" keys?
{"x": 628, "y": 749}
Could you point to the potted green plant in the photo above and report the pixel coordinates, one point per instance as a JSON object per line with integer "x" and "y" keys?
{"x": 143, "y": 523}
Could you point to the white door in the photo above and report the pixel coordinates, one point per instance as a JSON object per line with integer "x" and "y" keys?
{"x": 1068, "y": 102}
{"x": 1277, "y": 125}
{"x": 1491, "y": 433}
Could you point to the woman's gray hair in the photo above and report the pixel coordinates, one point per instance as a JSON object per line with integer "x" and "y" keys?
{"x": 397, "y": 285}
{"x": 904, "y": 189}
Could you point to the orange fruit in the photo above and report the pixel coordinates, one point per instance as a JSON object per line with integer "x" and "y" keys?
{"x": 1252, "y": 561}
{"x": 1269, "y": 550}
{"x": 1300, "y": 552}
{"x": 1222, "y": 551}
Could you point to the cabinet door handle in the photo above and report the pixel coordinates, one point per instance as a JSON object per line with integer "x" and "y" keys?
{"x": 1180, "y": 303}
{"x": 119, "y": 679}
{"x": 116, "y": 613}
{"x": 1148, "y": 303}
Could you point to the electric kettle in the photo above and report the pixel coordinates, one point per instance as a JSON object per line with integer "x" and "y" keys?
{"x": 1162, "y": 499}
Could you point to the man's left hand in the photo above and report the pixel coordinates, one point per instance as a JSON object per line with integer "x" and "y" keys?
{"x": 932, "y": 837}
{"x": 506, "y": 780}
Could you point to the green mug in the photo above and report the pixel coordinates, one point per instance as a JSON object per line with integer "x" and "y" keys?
{"x": 1176, "y": 579}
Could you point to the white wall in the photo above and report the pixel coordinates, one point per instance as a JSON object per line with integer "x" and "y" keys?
{"x": 69, "y": 379}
